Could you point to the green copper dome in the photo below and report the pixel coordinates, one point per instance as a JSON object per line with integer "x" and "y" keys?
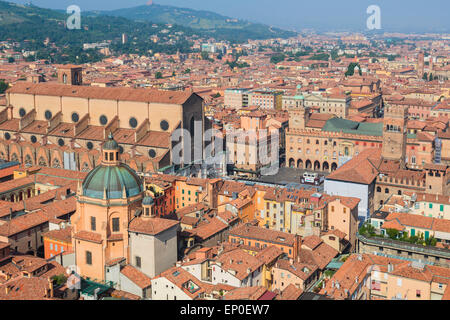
{"x": 115, "y": 179}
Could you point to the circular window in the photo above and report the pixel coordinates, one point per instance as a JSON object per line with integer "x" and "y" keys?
{"x": 120, "y": 149}
{"x": 22, "y": 112}
{"x": 133, "y": 122}
{"x": 103, "y": 120}
{"x": 33, "y": 139}
{"x": 152, "y": 153}
{"x": 7, "y": 136}
{"x": 90, "y": 145}
{"x": 61, "y": 142}
{"x": 48, "y": 114}
{"x": 164, "y": 125}
{"x": 75, "y": 117}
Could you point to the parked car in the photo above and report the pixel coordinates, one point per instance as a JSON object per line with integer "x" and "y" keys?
{"x": 312, "y": 178}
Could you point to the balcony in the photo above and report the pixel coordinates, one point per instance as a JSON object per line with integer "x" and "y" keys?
{"x": 400, "y": 245}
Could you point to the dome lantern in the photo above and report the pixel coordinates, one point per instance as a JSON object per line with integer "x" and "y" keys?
{"x": 147, "y": 205}
{"x": 110, "y": 151}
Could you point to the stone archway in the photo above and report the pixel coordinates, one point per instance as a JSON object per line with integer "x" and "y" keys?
{"x": 333, "y": 166}
{"x": 325, "y": 166}
{"x": 316, "y": 165}
{"x": 291, "y": 163}
{"x": 308, "y": 164}
{"x": 300, "y": 163}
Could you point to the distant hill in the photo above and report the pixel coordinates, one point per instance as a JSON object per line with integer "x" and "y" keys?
{"x": 11, "y": 13}
{"x": 32, "y": 26}
{"x": 219, "y": 26}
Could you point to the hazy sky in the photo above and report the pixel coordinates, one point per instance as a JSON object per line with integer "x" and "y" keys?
{"x": 396, "y": 15}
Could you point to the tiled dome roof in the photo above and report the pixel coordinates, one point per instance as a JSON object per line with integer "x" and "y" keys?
{"x": 114, "y": 179}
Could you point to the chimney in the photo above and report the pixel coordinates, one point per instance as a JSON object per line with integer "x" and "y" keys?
{"x": 390, "y": 267}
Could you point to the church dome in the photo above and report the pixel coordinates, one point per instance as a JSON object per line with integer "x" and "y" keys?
{"x": 113, "y": 179}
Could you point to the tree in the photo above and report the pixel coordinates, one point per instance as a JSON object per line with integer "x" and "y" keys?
{"x": 158, "y": 75}
{"x": 59, "y": 279}
{"x": 351, "y": 69}
{"x": 205, "y": 55}
{"x": 277, "y": 58}
{"x": 392, "y": 233}
{"x": 367, "y": 230}
{"x": 3, "y": 86}
{"x": 431, "y": 77}
{"x": 425, "y": 76}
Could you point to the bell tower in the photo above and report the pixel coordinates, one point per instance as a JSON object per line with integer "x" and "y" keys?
{"x": 70, "y": 75}
{"x": 394, "y": 133}
{"x": 298, "y": 117}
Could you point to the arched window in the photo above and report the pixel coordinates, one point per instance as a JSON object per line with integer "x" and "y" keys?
{"x": 42, "y": 162}
{"x": 28, "y": 161}
{"x": 378, "y": 189}
{"x": 386, "y": 190}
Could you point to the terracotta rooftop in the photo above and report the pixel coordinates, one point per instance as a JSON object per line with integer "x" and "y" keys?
{"x": 136, "y": 276}
{"x": 151, "y": 226}
{"x": 123, "y": 93}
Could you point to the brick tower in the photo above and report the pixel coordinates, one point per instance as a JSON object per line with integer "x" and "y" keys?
{"x": 394, "y": 133}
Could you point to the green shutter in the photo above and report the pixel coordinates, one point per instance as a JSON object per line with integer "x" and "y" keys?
{"x": 413, "y": 232}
